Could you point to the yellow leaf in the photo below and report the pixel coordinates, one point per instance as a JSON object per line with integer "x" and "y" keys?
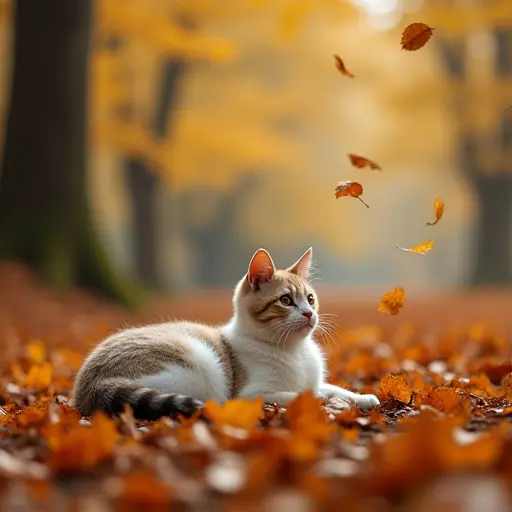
{"x": 240, "y": 412}
{"x": 36, "y": 352}
{"x": 423, "y": 248}
{"x": 392, "y": 302}
{"x": 438, "y": 211}
{"x": 39, "y": 376}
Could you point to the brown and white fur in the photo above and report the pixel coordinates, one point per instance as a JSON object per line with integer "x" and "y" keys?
{"x": 266, "y": 350}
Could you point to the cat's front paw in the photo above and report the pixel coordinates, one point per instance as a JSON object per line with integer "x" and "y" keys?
{"x": 366, "y": 401}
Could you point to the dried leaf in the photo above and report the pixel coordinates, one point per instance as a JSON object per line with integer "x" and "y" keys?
{"x": 82, "y": 447}
{"x": 423, "y": 248}
{"x": 392, "y": 301}
{"x": 39, "y": 376}
{"x": 240, "y": 413}
{"x": 438, "y": 211}
{"x": 415, "y": 36}
{"x": 395, "y": 386}
{"x": 349, "y": 189}
{"x": 310, "y": 426}
{"x": 36, "y": 352}
{"x": 361, "y": 162}
{"x": 340, "y": 66}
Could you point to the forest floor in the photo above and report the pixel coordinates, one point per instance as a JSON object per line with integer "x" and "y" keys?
{"x": 440, "y": 440}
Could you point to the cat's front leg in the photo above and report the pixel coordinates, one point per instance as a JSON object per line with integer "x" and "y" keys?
{"x": 326, "y": 390}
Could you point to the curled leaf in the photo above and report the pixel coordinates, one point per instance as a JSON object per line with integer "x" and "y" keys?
{"x": 415, "y": 36}
{"x": 350, "y": 189}
{"x": 423, "y": 248}
{"x": 392, "y": 301}
{"x": 340, "y": 66}
{"x": 361, "y": 162}
{"x": 395, "y": 386}
{"x": 438, "y": 211}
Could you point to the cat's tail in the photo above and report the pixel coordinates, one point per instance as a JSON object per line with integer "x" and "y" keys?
{"x": 112, "y": 395}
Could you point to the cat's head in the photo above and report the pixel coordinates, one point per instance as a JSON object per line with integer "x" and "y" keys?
{"x": 277, "y": 306}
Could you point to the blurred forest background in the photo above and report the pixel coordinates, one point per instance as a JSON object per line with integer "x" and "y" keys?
{"x": 164, "y": 141}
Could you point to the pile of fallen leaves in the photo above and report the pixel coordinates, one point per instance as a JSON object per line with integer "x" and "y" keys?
{"x": 440, "y": 437}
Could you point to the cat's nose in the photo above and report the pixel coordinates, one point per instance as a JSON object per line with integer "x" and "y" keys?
{"x": 307, "y": 314}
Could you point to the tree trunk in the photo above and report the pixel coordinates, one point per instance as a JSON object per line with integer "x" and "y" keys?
{"x": 44, "y": 216}
{"x": 493, "y": 242}
{"x": 143, "y": 184}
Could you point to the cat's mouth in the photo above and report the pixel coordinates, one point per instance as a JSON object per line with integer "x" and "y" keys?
{"x": 308, "y": 326}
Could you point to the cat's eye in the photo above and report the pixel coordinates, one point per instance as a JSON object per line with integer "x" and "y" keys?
{"x": 311, "y": 299}
{"x": 286, "y": 300}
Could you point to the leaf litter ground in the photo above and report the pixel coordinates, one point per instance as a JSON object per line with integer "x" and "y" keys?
{"x": 441, "y": 434}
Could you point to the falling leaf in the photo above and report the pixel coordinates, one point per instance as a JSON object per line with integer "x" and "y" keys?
{"x": 340, "y": 66}
{"x": 395, "y": 386}
{"x": 350, "y": 189}
{"x": 438, "y": 211}
{"x": 415, "y": 36}
{"x": 240, "y": 413}
{"x": 392, "y": 302}
{"x": 423, "y": 248}
{"x": 361, "y": 162}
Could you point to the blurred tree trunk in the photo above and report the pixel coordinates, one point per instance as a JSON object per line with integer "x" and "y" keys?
{"x": 492, "y": 262}
{"x": 493, "y": 251}
{"x": 44, "y": 216}
{"x": 143, "y": 184}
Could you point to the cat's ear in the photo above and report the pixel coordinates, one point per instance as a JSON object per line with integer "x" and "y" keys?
{"x": 261, "y": 269}
{"x": 302, "y": 267}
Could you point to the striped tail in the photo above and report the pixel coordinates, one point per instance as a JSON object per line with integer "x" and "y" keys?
{"x": 112, "y": 395}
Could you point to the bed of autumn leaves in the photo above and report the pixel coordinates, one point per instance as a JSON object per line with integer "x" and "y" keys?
{"x": 441, "y": 434}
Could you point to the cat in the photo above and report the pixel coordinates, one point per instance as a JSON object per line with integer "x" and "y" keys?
{"x": 266, "y": 350}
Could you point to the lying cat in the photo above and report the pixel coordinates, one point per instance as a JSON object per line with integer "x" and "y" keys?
{"x": 266, "y": 350}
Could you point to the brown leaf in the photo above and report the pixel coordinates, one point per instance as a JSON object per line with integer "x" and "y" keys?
{"x": 438, "y": 211}
{"x": 395, "y": 386}
{"x": 392, "y": 301}
{"x": 361, "y": 162}
{"x": 340, "y": 66}
{"x": 415, "y": 36}
{"x": 349, "y": 189}
{"x": 423, "y": 248}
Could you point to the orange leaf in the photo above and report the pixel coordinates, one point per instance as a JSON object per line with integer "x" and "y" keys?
{"x": 361, "y": 162}
{"x": 443, "y": 399}
{"x": 392, "y": 302}
{"x": 240, "y": 412}
{"x": 32, "y": 417}
{"x": 340, "y": 66}
{"x": 39, "y": 376}
{"x": 36, "y": 352}
{"x": 415, "y": 36}
{"x": 81, "y": 448}
{"x": 143, "y": 489}
{"x": 395, "y": 386}
{"x": 423, "y": 248}
{"x": 438, "y": 211}
{"x": 310, "y": 426}
{"x": 350, "y": 189}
